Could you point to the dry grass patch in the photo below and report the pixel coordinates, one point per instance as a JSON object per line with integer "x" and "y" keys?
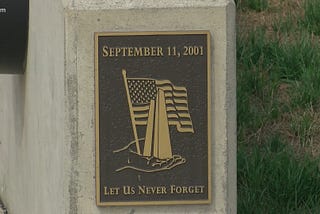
{"x": 278, "y": 62}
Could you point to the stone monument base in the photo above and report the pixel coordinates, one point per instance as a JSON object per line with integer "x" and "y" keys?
{"x": 47, "y": 115}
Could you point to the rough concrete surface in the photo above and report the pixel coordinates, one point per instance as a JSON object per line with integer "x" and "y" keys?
{"x": 32, "y": 119}
{"x": 47, "y": 133}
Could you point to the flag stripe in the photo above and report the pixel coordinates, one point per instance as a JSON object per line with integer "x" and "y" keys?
{"x": 174, "y": 94}
{"x": 143, "y": 121}
{"x": 167, "y": 83}
{"x": 177, "y": 102}
{"x": 182, "y": 117}
{"x": 170, "y": 107}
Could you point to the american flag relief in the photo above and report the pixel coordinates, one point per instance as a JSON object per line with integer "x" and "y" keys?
{"x": 157, "y": 104}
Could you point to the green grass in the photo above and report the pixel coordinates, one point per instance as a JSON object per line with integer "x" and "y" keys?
{"x": 286, "y": 59}
{"x": 256, "y": 5}
{"x": 312, "y": 16}
{"x": 272, "y": 180}
{"x": 307, "y": 89}
{"x": 303, "y": 128}
{"x": 284, "y": 24}
{"x": 278, "y": 96}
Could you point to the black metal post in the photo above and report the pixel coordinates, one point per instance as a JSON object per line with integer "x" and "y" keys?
{"x": 14, "y": 16}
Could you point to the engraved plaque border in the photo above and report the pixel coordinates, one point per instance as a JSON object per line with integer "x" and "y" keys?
{"x": 97, "y": 117}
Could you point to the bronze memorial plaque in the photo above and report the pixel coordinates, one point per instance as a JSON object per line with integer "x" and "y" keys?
{"x": 153, "y": 118}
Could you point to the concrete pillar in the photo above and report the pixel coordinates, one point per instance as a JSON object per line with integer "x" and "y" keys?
{"x": 47, "y": 123}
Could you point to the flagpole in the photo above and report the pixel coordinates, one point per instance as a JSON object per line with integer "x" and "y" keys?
{"x": 124, "y": 74}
